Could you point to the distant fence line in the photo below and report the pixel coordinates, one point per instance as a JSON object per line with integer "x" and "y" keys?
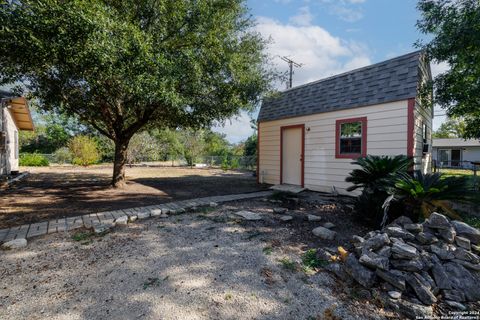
{"x": 227, "y": 162}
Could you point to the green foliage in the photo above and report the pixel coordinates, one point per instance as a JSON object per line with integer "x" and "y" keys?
{"x": 143, "y": 147}
{"x": 62, "y": 155}
{"x": 423, "y": 194}
{"x": 310, "y": 260}
{"x": 106, "y": 148}
{"x": 82, "y": 236}
{"x": 52, "y": 132}
{"x": 194, "y": 145}
{"x": 288, "y": 264}
{"x": 474, "y": 221}
{"x": 127, "y": 66}
{"x": 216, "y": 144}
{"x": 251, "y": 146}
{"x": 376, "y": 171}
{"x": 454, "y": 29}
{"x": 375, "y": 175}
{"x": 267, "y": 250}
{"x": 84, "y": 150}
{"x": 170, "y": 143}
{"x": 452, "y": 128}
{"x": 32, "y": 160}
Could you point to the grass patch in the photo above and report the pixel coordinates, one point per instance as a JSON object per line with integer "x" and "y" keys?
{"x": 81, "y": 236}
{"x": 311, "y": 262}
{"x": 471, "y": 220}
{"x": 228, "y": 296}
{"x": 288, "y": 264}
{"x": 205, "y": 210}
{"x": 267, "y": 250}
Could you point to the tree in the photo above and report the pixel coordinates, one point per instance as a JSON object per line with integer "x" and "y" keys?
{"x": 251, "y": 146}
{"x": 193, "y": 145}
{"x": 127, "y": 66}
{"x": 216, "y": 144}
{"x": 144, "y": 147}
{"x": 452, "y": 128}
{"x": 170, "y": 143}
{"x": 454, "y": 26}
{"x": 84, "y": 150}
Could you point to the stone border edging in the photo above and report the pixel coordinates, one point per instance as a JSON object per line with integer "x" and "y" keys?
{"x": 122, "y": 216}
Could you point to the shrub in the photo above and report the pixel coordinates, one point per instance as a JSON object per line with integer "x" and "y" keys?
{"x": 62, "y": 155}
{"x": 33, "y": 160}
{"x": 84, "y": 150}
{"x": 422, "y": 194}
{"x": 311, "y": 261}
{"x": 376, "y": 175}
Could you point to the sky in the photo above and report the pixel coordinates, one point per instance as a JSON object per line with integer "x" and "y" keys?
{"x": 329, "y": 37}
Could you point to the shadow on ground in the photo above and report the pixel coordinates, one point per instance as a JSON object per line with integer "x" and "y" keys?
{"x": 49, "y": 195}
{"x": 207, "y": 265}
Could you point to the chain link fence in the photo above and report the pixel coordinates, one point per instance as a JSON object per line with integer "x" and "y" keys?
{"x": 224, "y": 162}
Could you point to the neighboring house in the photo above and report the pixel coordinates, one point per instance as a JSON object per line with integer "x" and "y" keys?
{"x": 14, "y": 116}
{"x": 455, "y": 153}
{"x": 310, "y": 134}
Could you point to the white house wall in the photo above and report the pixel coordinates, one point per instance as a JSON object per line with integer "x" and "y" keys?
{"x": 422, "y": 161}
{"x": 468, "y": 153}
{"x": 9, "y": 158}
{"x": 386, "y": 135}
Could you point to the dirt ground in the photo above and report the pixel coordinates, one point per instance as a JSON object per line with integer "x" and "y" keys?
{"x": 55, "y": 192}
{"x": 209, "y": 264}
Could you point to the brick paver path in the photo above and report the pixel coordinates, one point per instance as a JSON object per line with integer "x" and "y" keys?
{"x": 117, "y": 216}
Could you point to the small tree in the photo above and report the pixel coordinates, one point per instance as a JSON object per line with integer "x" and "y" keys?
{"x": 251, "y": 146}
{"x": 193, "y": 144}
{"x": 142, "y": 147}
{"x": 62, "y": 155}
{"x": 84, "y": 150}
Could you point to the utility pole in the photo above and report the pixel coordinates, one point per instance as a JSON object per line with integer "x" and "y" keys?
{"x": 291, "y": 64}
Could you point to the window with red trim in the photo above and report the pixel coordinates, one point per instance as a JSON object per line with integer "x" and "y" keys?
{"x": 351, "y": 138}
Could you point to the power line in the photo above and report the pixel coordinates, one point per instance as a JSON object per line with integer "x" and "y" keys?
{"x": 291, "y": 64}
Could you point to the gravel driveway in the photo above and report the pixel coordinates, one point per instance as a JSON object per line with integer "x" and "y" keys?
{"x": 204, "y": 265}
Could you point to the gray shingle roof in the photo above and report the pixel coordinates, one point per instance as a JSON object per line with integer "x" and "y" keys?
{"x": 391, "y": 80}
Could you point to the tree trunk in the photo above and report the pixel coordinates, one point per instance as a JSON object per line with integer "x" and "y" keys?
{"x": 118, "y": 179}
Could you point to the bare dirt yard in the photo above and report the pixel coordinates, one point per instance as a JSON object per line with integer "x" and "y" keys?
{"x": 55, "y": 192}
{"x": 208, "y": 264}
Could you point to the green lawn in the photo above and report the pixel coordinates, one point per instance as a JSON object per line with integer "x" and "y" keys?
{"x": 473, "y": 197}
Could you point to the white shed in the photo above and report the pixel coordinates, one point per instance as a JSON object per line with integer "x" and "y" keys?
{"x": 309, "y": 135}
{"x": 14, "y": 116}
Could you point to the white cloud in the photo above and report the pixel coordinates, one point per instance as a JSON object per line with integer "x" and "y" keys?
{"x": 438, "y": 68}
{"x": 321, "y": 53}
{"x": 346, "y": 10}
{"x": 303, "y": 18}
{"x": 236, "y": 129}
{"x": 346, "y": 14}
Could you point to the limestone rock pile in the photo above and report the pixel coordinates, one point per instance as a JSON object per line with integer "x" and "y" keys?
{"x": 418, "y": 265}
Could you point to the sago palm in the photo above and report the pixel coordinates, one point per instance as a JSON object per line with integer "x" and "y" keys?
{"x": 375, "y": 171}
{"x": 423, "y": 194}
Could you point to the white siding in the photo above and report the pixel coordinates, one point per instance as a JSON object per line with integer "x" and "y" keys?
{"x": 422, "y": 116}
{"x": 471, "y": 154}
{"x": 468, "y": 154}
{"x": 386, "y": 135}
{"x": 8, "y": 157}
